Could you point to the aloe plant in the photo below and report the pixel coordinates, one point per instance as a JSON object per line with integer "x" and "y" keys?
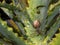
{"x": 30, "y": 22}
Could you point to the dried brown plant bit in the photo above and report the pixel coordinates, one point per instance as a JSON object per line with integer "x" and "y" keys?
{"x": 25, "y": 2}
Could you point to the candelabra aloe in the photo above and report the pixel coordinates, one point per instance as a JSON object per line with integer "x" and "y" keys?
{"x": 30, "y": 22}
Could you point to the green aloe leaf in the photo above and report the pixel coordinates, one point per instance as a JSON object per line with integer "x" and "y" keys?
{"x": 55, "y": 41}
{"x": 10, "y": 35}
{"x": 15, "y": 2}
{"x": 7, "y": 12}
{"x": 2, "y": 42}
{"x": 53, "y": 30}
{"x": 10, "y": 7}
{"x": 52, "y": 15}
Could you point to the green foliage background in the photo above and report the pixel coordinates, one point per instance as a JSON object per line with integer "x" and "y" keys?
{"x": 23, "y": 13}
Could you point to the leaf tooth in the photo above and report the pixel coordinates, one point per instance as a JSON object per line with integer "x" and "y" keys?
{"x": 9, "y": 28}
{"x": 16, "y": 34}
{"x": 3, "y": 1}
{"x": 57, "y": 35}
{"x": 11, "y": 3}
